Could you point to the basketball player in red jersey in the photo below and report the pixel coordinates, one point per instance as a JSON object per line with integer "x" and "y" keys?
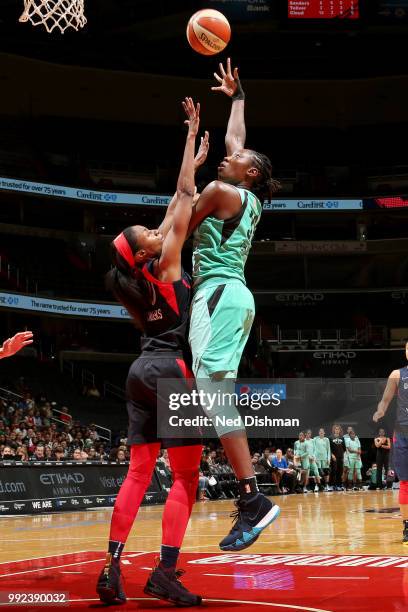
{"x": 148, "y": 279}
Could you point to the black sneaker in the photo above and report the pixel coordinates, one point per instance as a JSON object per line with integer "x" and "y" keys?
{"x": 109, "y": 586}
{"x": 405, "y": 537}
{"x": 164, "y": 584}
{"x": 250, "y": 519}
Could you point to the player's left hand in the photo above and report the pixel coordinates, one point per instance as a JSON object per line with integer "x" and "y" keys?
{"x": 228, "y": 80}
{"x": 193, "y": 114}
{"x": 11, "y": 346}
{"x": 202, "y": 152}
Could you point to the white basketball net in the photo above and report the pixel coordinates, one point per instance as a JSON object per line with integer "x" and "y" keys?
{"x": 52, "y": 14}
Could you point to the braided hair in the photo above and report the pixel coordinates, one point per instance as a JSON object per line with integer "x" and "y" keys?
{"x": 127, "y": 282}
{"x": 264, "y": 185}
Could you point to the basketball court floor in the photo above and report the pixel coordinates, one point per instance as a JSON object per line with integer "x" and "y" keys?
{"x": 326, "y": 553}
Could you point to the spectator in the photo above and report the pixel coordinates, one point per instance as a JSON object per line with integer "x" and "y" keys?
{"x": 8, "y": 453}
{"x": 22, "y": 453}
{"x": 298, "y": 473}
{"x": 266, "y": 461}
{"x": 120, "y": 455}
{"x": 58, "y": 454}
{"x": 48, "y": 453}
{"x": 92, "y": 454}
{"x": 76, "y": 454}
{"x": 203, "y": 483}
{"x": 39, "y": 454}
{"x": 286, "y": 476}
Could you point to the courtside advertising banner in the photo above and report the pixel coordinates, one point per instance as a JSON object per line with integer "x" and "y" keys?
{"x": 52, "y": 487}
{"x": 36, "y": 303}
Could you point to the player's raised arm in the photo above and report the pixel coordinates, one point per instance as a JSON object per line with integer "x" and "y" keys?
{"x": 389, "y": 392}
{"x": 170, "y": 259}
{"x": 230, "y": 84}
{"x": 199, "y": 160}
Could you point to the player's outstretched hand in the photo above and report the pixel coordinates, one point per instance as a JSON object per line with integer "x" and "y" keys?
{"x": 202, "y": 152}
{"x": 16, "y": 343}
{"x": 193, "y": 114}
{"x": 228, "y": 80}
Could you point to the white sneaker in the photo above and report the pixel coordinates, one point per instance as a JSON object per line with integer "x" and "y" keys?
{"x": 316, "y": 489}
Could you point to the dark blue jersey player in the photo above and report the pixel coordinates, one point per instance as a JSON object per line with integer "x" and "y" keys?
{"x": 397, "y": 384}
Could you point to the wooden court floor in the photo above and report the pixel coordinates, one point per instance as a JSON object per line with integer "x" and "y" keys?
{"x": 327, "y": 552}
{"x": 339, "y": 523}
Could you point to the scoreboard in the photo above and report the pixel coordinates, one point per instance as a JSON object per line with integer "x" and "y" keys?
{"x": 323, "y": 9}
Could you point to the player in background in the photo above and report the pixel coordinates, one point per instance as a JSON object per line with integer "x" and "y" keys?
{"x": 353, "y": 450}
{"x": 148, "y": 279}
{"x": 313, "y": 469}
{"x": 397, "y": 385}
{"x": 13, "y": 345}
{"x": 359, "y": 463}
{"x": 302, "y": 455}
{"x": 323, "y": 456}
{"x": 225, "y": 218}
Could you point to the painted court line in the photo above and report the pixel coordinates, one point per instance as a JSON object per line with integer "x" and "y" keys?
{"x": 45, "y": 569}
{"x": 339, "y": 577}
{"x": 231, "y": 575}
{"x": 222, "y": 601}
{"x": 78, "y": 552}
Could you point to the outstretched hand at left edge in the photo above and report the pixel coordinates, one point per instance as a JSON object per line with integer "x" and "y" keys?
{"x": 13, "y": 345}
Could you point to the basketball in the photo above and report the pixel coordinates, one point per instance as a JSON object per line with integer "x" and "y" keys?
{"x": 208, "y": 32}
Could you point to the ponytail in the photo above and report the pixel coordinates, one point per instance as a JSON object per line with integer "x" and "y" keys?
{"x": 264, "y": 187}
{"x": 125, "y": 280}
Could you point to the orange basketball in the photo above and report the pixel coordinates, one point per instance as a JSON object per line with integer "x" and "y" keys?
{"x": 208, "y": 32}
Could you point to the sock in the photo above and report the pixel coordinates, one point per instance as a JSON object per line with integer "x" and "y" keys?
{"x": 169, "y": 556}
{"x": 248, "y": 487}
{"x": 405, "y": 521}
{"x": 115, "y": 549}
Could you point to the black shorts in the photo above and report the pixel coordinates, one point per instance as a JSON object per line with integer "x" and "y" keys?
{"x": 142, "y": 400}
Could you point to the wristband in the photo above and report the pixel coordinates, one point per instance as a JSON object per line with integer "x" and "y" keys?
{"x": 239, "y": 94}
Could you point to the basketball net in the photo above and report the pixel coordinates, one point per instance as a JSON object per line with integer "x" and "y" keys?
{"x": 52, "y": 14}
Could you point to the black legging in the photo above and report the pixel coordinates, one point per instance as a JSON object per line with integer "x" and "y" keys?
{"x": 337, "y": 471}
{"x": 383, "y": 459}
